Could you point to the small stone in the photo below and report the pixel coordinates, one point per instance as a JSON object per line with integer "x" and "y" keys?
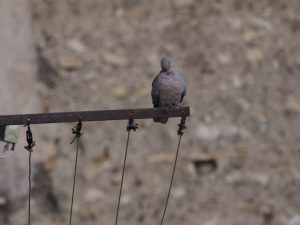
{"x": 126, "y": 199}
{"x": 235, "y": 23}
{"x": 106, "y": 166}
{"x": 163, "y": 24}
{"x": 250, "y": 36}
{"x": 2, "y": 201}
{"x": 100, "y": 159}
{"x": 213, "y": 221}
{"x": 70, "y": 62}
{"x": 76, "y": 45}
{"x": 51, "y": 149}
{"x": 293, "y": 105}
{"x": 260, "y": 179}
{"x": 89, "y": 172}
{"x": 237, "y": 159}
{"x": 183, "y": 3}
{"x": 223, "y": 87}
{"x": 297, "y": 60}
{"x": 93, "y": 195}
{"x": 208, "y": 133}
{"x": 207, "y": 118}
{"x": 244, "y": 104}
{"x": 293, "y": 220}
{"x": 254, "y": 55}
{"x": 297, "y": 146}
{"x": 262, "y": 23}
{"x": 178, "y": 192}
{"x": 143, "y": 92}
{"x": 119, "y": 13}
{"x": 115, "y": 180}
{"x": 119, "y": 91}
{"x": 90, "y": 76}
{"x": 254, "y": 178}
{"x": 236, "y": 81}
{"x": 211, "y": 133}
{"x": 224, "y": 58}
{"x": 231, "y": 131}
{"x": 115, "y": 60}
{"x": 160, "y": 158}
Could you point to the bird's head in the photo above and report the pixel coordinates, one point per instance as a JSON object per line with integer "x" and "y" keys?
{"x": 165, "y": 63}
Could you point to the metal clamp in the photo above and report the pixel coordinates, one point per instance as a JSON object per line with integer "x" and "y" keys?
{"x": 181, "y": 126}
{"x": 29, "y": 137}
{"x": 77, "y": 130}
{"x": 132, "y": 125}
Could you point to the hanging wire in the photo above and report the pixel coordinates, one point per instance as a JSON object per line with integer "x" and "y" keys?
{"x": 77, "y": 131}
{"x": 131, "y": 126}
{"x": 29, "y": 190}
{"x": 180, "y": 133}
{"x": 121, "y": 186}
{"x": 29, "y": 148}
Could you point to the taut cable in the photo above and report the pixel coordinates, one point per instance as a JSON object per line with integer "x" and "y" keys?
{"x": 77, "y": 131}
{"x": 180, "y": 133}
{"x": 131, "y": 126}
{"x": 29, "y": 148}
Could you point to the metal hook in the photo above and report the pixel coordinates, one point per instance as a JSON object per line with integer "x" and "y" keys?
{"x": 29, "y": 137}
{"x": 77, "y": 130}
{"x": 132, "y": 125}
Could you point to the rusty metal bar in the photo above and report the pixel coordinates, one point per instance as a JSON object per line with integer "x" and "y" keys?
{"x": 103, "y": 115}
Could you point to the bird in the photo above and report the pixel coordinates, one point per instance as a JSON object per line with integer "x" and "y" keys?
{"x": 168, "y": 88}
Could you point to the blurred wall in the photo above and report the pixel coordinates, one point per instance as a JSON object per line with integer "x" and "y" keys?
{"x": 18, "y": 89}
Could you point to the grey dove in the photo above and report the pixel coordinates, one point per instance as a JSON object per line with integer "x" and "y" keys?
{"x": 168, "y": 87}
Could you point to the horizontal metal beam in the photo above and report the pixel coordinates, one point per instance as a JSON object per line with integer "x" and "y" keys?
{"x": 103, "y": 115}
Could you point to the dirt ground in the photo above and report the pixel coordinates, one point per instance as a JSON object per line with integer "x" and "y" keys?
{"x": 238, "y": 164}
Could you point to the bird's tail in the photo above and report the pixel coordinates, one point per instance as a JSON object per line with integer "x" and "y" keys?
{"x": 163, "y": 120}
